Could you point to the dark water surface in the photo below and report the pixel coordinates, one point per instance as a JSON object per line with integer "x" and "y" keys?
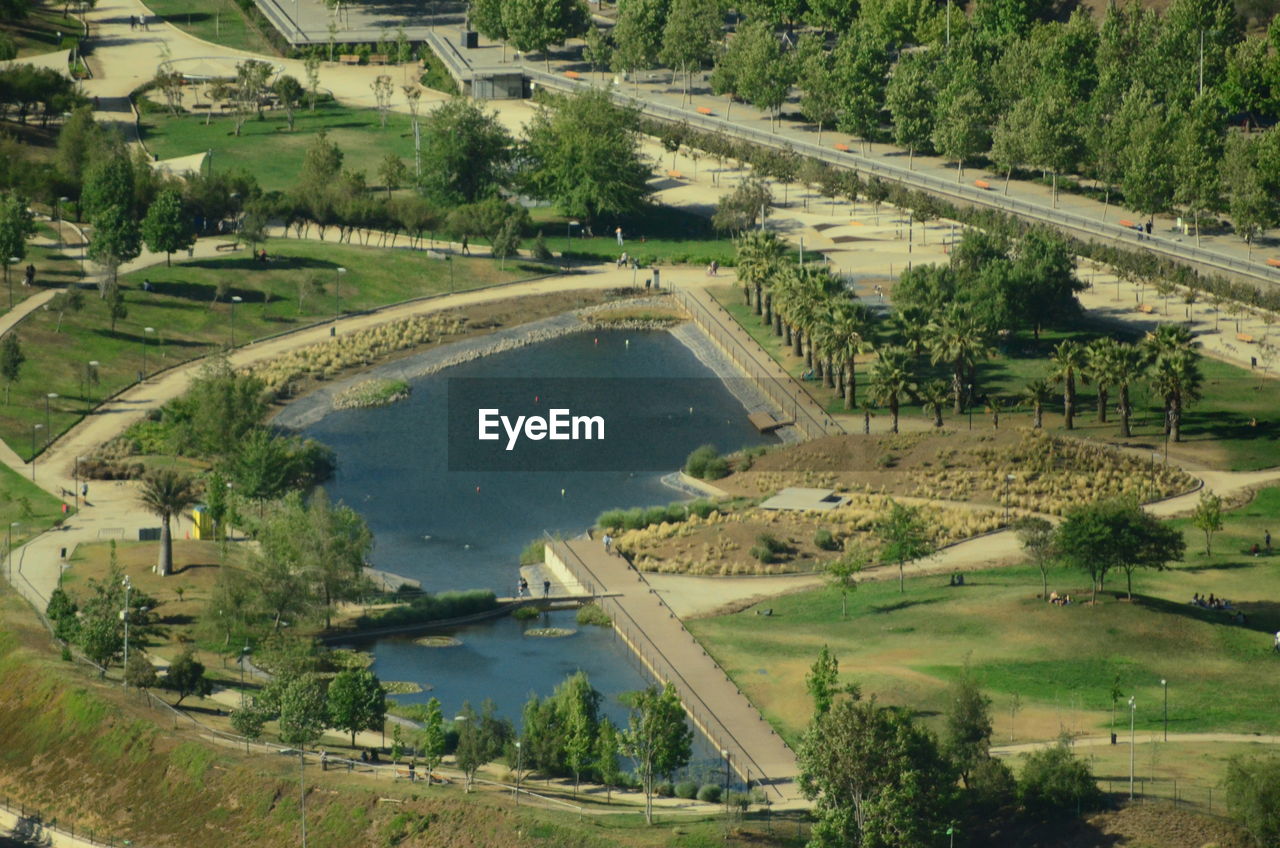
{"x": 465, "y": 530}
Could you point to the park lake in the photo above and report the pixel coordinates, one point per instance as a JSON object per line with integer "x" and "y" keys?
{"x": 465, "y": 530}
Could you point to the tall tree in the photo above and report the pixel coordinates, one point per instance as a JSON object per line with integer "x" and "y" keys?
{"x": 608, "y": 749}
{"x": 466, "y": 153}
{"x": 17, "y": 224}
{"x": 167, "y": 226}
{"x": 583, "y": 155}
{"x": 1198, "y": 148}
{"x": 1249, "y": 165}
{"x": 820, "y": 89}
{"x": 875, "y": 776}
{"x": 11, "y": 360}
{"x": 657, "y": 737}
{"x": 1037, "y": 537}
{"x": 431, "y": 739}
{"x": 167, "y": 493}
{"x": 1176, "y": 376}
{"x": 1068, "y": 364}
{"x": 481, "y": 738}
{"x": 958, "y": 341}
{"x": 968, "y": 738}
{"x": 690, "y": 35}
{"x": 1208, "y": 518}
{"x": 115, "y": 240}
{"x": 909, "y": 97}
{"x": 891, "y": 381}
{"x": 842, "y": 573}
{"x": 1102, "y": 536}
{"x": 303, "y": 709}
{"x": 637, "y": 35}
{"x": 904, "y": 535}
{"x": 356, "y": 702}
{"x": 186, "y": 677}
{"x": 860, "y": 70}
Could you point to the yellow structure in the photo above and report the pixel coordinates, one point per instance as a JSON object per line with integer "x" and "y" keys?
{"x": 204, "y": 523}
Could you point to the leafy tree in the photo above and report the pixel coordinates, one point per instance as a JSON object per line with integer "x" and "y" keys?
{"x": 1176, "y": 376}
{"x": 891, "y": 381}
{"x": 739, "y": 210}
{"x": 542, "y": 735}
{"x": 821, "y": 682}
{"x": 1011, "y": 138}
{"x": 904, "y": 534}
{"x": 393, "y": 172}
{"x": 909, "y": 98}
{"x": 466, "y": 153}
{"x": 1105, "y": 535}
{"x": 1147, "y": 179}
{"x": 1208, "y": 517}
{"x": 1252, "y": 186}
{"x": 356, "y": 702}
{"x": 311, "y": 66}
{"x": 1037, "y": 537}
{"x": 584, "y": 156}
{"x": 875, "y": 776}
{"x": 431, "y": 739}
{"x": 290, "y": 92}
{"x": 217, "y": 413}
{"x": 597, "y": 50}
{"x": 755, "y": 68}
{"x": 507, "y": 242}
{"x": 109, "y": 184}
{"x": 11, "y": 361}
{"x": 117, "y": 309}
{"x": 186, "y": 677}
{"x": 535, "y": 25}
{"x": 486, "y": 17}
{"x": 249, "y": 721}
{"x": 578, "y": 704}
{"x": 841, "y": 574}
{"x": 637, "y": 35}
{"x": 1253, "y": 796}
{"x": 968, "y": 740}
{"x": 861, "y": 68}
{"x": 608, "y": 749}
{"x": 165, "y": 493}
{"x": 481, "y": 738}
{"x": 167, "y": 227}
{"x": 1044, "y": 281}
{"x": 690, "y": 34}
{"x": 820, "y": 88}
{"x": 1056, "y": 783}
{"x": 17, "y": 224}
{"x": 251, "y": 80}
{"x": 1198, "y": 148}
{"x": 61, "y": 610}
{"x": 657, "y": 737}
{"x": 303, "y": 709}
{"x": 114, "y": 241}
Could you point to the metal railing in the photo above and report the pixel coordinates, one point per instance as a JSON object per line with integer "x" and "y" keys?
{"x": 788, "y": 395}
{"x": 652, "y": 657}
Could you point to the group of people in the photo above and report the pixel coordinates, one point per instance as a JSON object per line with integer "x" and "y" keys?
{"x": 139, "y": 22}
{"x": 522, "y": 589}
{"x": 1198, "y": 600}
{"x": 1060, "y": 600}
{"x": 627, "y": 261}
{"x": 713, "y": 268}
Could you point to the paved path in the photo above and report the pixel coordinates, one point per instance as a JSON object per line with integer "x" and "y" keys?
{"x": 1139, "y": 738}
{"x": 659, "y": 638}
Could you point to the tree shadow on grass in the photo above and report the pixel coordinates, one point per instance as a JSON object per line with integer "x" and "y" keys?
{"x": 1218, "y": 566}
{"x": 117, "y": 335}
{"x": 1260, "y": 616}
{"x": 179, "y": 620}
{"x": 279, "y": 262}
{"x": 192, "y": 18}
{"x": 903, "y": 604}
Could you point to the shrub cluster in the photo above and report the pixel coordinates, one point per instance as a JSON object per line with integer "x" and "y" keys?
{"x": 706, "y": 463}
{"x": 638, "y": 518}
{"x": 428, "y": 607}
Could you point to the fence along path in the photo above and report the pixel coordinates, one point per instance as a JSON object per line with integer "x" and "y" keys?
{"x": 658, "y": 637}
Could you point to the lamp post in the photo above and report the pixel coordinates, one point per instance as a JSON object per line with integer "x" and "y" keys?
{"x": 234, "y": 300}
{"x": 34, "y": 428}
{"x": 337, "y": 292}
{"x": 462, "y": 719}
{"x": 90, "y": 373}
{"x": 147, "y": 331}
{"x": 244, "y": 653}
{"x": 57, "y": 215}
{"x": 124, "y": 614}
{"x": 969, "y": 403}
{"x": 1164, "y": 684}
{"x": 50, "y": 396}
{"x": 568, "y": 240}
{"x": 1133, "y": 709}
{"x": 519, "y": 765}
{"x": 1008, "y": 478}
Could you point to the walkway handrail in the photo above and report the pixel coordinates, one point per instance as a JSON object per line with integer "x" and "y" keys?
{"x": 673, "y": 672}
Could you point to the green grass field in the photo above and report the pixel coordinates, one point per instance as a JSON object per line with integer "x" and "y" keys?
{"x": 364, "y": 142}
{"x": 1060, "y": 661}
{"x": 655, "y": 234}
{"x": 37, "y": 33}
{"x": 1217, "y": 430}
{"x": 188, "y": 323}
{"x": 22, "y": 501}
{"x": 217, "y": 21}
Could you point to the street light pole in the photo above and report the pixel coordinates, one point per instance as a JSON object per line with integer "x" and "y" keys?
{"x": 124, "y": 613}
{"x": 147, "y": 331}
{"x": 970, "y": 405}
{"x": 337, "y": 293}
{"x": 519, "y": 765}
{"x": 34, "y": 428}
{"x": 50, "y": 396}
{"x": 243, "y": 654}
{"x": 1165, "y": 685}
{"x": 1133, "y": 709}
{"x": 234, "y": 300}
{"x": 89, "y": 373}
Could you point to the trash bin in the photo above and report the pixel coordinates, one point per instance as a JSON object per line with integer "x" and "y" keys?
{"x": 471, "y": 39}
{"x": 1113, "y": 738}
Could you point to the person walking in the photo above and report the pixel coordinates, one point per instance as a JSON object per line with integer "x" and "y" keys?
{"x": 546, "y": 589}
{"x": 1267, "y": 540}
{"x": 618, "y": 232}
{"x": 133, "y": 22}
{"x": 465, "y": 250}
{"x": 1276, "y": 647}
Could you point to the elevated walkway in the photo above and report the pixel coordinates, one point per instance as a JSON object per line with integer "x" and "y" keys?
{"x": 715, "y": 705}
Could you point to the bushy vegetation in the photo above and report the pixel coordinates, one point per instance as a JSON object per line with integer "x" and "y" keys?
{"x": 637, "y": 518}
{"x": 706, "y": 463}
{"x": 425, "y": 608}
{"x": 591, "y": 614}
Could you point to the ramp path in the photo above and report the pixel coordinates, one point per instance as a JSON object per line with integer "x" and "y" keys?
{"x": 653, "y": 631}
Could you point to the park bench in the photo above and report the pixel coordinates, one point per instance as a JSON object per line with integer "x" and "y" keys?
{"x": 982, "y": 184}
{"x": 378, "y": 58}
{"x": 573, "y": 75}
{"x": 1274, "y": 262}
{"x": 843, "y": 148}
{"x": 703, "y": 110}
{"x": 1145, "y": 307}
{"x": 349, "y": 59}
{"x": 200, "y": 106}
{"x": 1126, "y": 223}
{"x": 675, "y": 175}
{"x": 228, "y": 245}
{"x": 1245, "y": 337}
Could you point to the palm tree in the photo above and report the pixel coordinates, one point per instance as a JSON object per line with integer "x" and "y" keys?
{"x": 849, "y": 326}
{"x": 891, "y": 380}
{"x": 1166, "y": 339}
{"x": 996, "y": 404}
{"x": 167, "y": 493}
{"x": 758, "y": 255}
{"x": 934, "y": 395}
{"x": 1176, "y": 375}
{"x": 1101, "y": 355}
{"x": 911, "y": 326}
{"x": 960, "y": 341}
{"x": 1127, "y": 368}
{"x": 1068, "y": 366}
{"x": 1036, "y": 394}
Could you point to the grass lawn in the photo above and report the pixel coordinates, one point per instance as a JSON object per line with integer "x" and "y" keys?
{"x": 1060, "y": 661}
{"x": 654, "y": 234}
{"x": 218, "y": 21}
{"x": 1217, "y": 429}
{"x": 22, "y": 501}
{"x": 37, "y": 33}
{"x": 270, "y": 152}
{"x": 55, "y": 267}
{"x": 189, "y": 324}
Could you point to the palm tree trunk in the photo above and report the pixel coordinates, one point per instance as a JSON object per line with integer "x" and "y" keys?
{"x": 1069, "y": 404}
{"x": 956, "y": 385}
{"x": 1124, "y": 411}
{"x": 759, "y": 304}
{"x": 1102, "y": 404}
{"x": 797, "y": 342}
{"x": 1175, "y": 420}
{"x": 1039, "y": 416}
{"x": 165, "y": 564}
{"x": 828, "y": 378}
{"x": 893, "y": 413}
{"x": 850, "y": 385}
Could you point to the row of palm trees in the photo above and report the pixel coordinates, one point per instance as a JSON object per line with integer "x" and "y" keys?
{"x": 825, "y": 325}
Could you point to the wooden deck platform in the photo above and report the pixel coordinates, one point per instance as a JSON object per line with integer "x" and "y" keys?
{"x": 767, "y": 422}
